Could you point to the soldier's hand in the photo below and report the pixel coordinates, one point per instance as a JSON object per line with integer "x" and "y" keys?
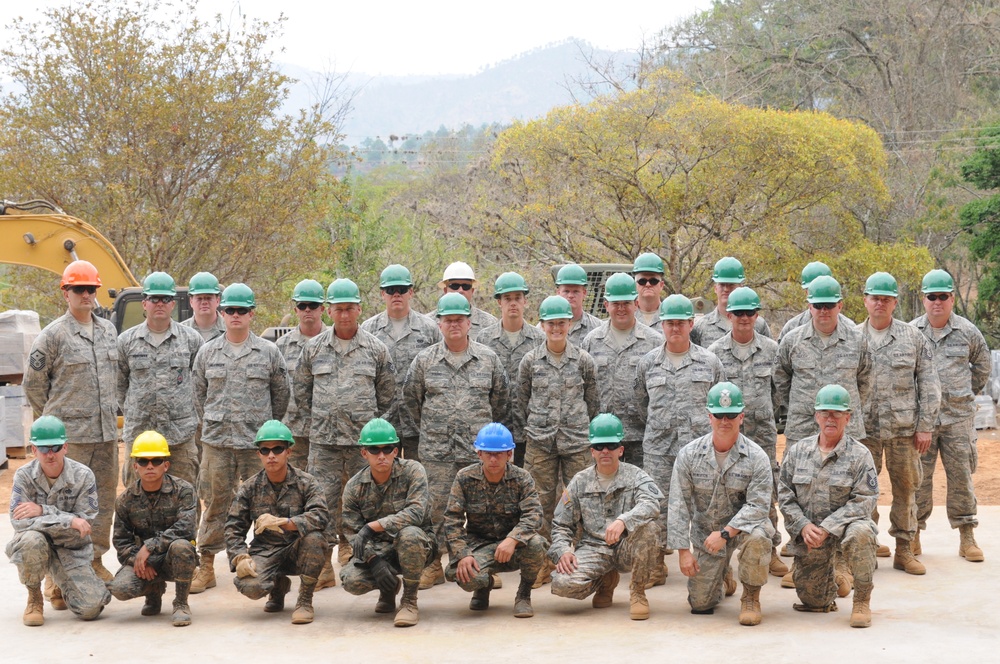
{"x": 27, "y": 510}
{"x": 269, "y": 522}
{"x": 142, "y": 570}
{"x": 385, "y": 578}
{"x": 614, "y": 532}
{"x": 82, "y": 526}
{"x": 245, "y": 566}
{"x": 922, "y": 441}
{"x": 360, "y": 541}
{"x": 814, "y": 536}
{"x": 505, "y": 550}
{"x": 567, "y": 563}
{"x": 688, "y": 563}
{"x": 714, "y": 542}
{"x": 467, "y": 568}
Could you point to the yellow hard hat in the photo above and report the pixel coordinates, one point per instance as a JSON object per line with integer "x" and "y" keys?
{"x": 149, "y": 444}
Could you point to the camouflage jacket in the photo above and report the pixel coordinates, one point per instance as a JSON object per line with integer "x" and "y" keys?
{"x": 529, "y": 338}
{"x": 579, "y": 329}
{"x": 753, "y": 377}
{"x": 404, "y": 500}
{"x": 555, "y": 402}
{"x": 480, "y": 321}
{"x": 291, "y": 345}
{"x": 217, "y": 330}
{"x": 798, "y": 320}
{"x": 154, "y": 520}
{"x": 714, "y": 325}
{"x": 962, "y": 362}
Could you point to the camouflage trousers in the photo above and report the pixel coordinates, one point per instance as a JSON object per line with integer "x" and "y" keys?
{"x": 299, "y": 456}
{"x": 222, "y": 468}
{"x": 176, "y": 564}
{"x": 903, "y": 464}
{"x": 528, "y": 558}
{"x": 305, "y": 556}
{"x": 633, "y": 452}
{"x": 661, "y": 467}
{"x": 956, "y": 443}
{"x": 102, "y": 459}
{"x": 409, "y": 446}
{"x": 35, "y": 556}
{"x": 408, "y": 555}
{"x": 814, "y": 571}
{"x": 638, "y": 553}
{"x": 768, "y": 434}
{"x": 332, "y": 466}
{"x": 551, "y": 471}
{"x": 440, "y": 477}
{"x": 706, "y": 588}
{"x": 202, "y": 488}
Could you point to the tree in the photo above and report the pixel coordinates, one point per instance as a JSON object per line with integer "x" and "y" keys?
{"x": 981, "y": 220}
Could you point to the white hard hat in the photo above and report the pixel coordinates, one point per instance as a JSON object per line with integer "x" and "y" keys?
{"x": 458, "y": 270}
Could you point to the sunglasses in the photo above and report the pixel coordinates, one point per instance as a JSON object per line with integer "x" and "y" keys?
{"x": 744, "y": 313}
{"x": 80, "y": 290}
{"x": 934, "y": 297}
{"x": 236, "y": 311}
{"x": 277, "y": 449}
{"x": 465, "y": 287}
{"x": 156, "y": 461}
{"x": 403, "y": 290}
{"x": 649, "y": 282}
{"x": 605, "y": 446}
{"x": 376, "y": 450}
{"x": 726, "y": 416}
{"x": 311, "y": 306}
{"x": 49, "y": 449}
{"x": 824, "y": 305}
{"x": 160, "y": 299}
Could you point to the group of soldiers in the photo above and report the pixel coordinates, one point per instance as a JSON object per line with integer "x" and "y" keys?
{"x": 408, "y": 436}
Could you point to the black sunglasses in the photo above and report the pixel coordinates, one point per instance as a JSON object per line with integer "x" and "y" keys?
{"x": 744, "y": 313}
{"x": 277, "y": 449}
{"x": 46, "y": 449}
{"x": 80, "y": 290}
{"x": 726, "y": 416}
{"x": 376, "y": 450}
{"x": 156, "y": 461}
{"x": 605, "y": 446}
{"x": 233, "y": 311}
{"x": 311, "y": 306}
{"x": 403, "y": 290}
{"x": 650, "y": 282}
{"x": 465, "y": 287}
{"x": 824, "y": 305}
{"x": 160, "y": 299}
{"x": 934, "y": 297}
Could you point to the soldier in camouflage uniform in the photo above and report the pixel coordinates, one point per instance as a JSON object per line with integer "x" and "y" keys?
{"x": 606, "y": 524}
{"x": 671, "y": 384}
{"x": 155, "y": 523}
{"x": 748, "y": 360}
{"x": 648, "y": 273}
{"x": 155, "y": 386}
{"x": 459, "y": 278}
{"x": 512, "y": 338}
{"x": 387, "y": 513}
{"x": 345, "y": 378}
{"x": 53, "y": 501}
{"x": 405, "y": 333}
{"x": 452, "y": 390}
{"x": 900, "y": 412}
{"x": 962, "y": 362}
{"x": 492, "y": 523}
{"x": 286, "y": 509}
{"x": 240, "y": 381}
{"x": 617, "y": 345}
{"x": 204, "y": 296}
{"x": 727, "y": 276}
{"x": 571, "y": 283}
{"x": 827, "y": 489}
{"x": 71, "y": 374}
{"x": 719, "y": 497}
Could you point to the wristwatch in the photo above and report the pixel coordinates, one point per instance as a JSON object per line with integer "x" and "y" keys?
{"x": 725, "y": 534}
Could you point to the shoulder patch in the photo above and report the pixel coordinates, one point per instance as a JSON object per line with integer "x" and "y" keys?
{"x": 37, "y": 360}
{"x": 872, "y": 480}
{"x": 565, "y": 497}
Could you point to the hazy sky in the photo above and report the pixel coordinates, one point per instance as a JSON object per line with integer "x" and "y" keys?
{"x": 390, "y": 37}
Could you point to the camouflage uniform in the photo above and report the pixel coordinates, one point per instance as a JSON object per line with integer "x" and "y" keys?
{"x": 714, "y": 325}
{"x": 72, "y": 375}
{"x": 156, "y": 391}
{"x": 579, "y": 329}
{"x": 705, "y": 498}
{"x": 480, "y": 320}
{"x": 836, "y": 492}
{"x": 235, "y": 392}
{"x": 798, "y": 320}
{"x": 449, "y": 403}
{"x": 553, "y": 408}
{"x": 583, "y": 515}
{"x": 47, "y": 544}
{"x": 402, "y": 506}
{"x": 482, "y": 514}
{"x": 165, "y": 523}
{"x": 671, "y": 401}
{"x": 217, "y": 329}
{"x": 291, "y": 345}
{"x": 655, "y": 324}
{"x": 905, "y": 396}
{"x": 418, "y": 333}
{"x": 806, "y": 362}
{"x": 616, "y": 379}
{"x": 291, "y": 552}
{"x": 962, "y": 362}
{"x": 339, "y": 392}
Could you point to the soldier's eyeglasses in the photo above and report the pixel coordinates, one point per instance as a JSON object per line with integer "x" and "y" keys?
{"x": 465, "y": 287}
{"x": 48, "y": 449}
{"x": 726, "y": 416}
{"x": 934, "y": 297}
{"x": 648, "y": 282}
{"x": 376, "y": 450}
{"x": 605, "y": 446}
{"x": 160, "y": 299}
{"x": 744, "y": 313}
{"x": 824, "y": 305}
{"x": 236, "y": 311}
{"x": 80, "y": 290}
{"x": 277, "y": 449}
{"x": 397, "y": 290}
{"x": 311, "y": 306}
{"x": 156, "y": 461}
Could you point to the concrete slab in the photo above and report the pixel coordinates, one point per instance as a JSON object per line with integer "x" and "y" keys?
{"x": 947, "y": 615}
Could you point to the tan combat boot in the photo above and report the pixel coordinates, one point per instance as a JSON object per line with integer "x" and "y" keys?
{"x": 968, "y": 548}
{"x": 605, "y": 591}
{"x": 883, "y": 551}
{"x": 842, "y": 576}
{"x": 915, "y": 544}
{"x": 344, "y": 553}
{"x": 498, "y": 582}
{"x": 328, "y": 576}
{"x": 729, "y": 581}
{"x": 408, "y": 615}
{"x": 303, "y": 613}
{"x": 638, "y": 605}
{"x": 861, "y": 614}
{"x": 658, "y": 576}
{"x": 433, "y": 575}
{"x": 904, "y": 559}
{"x": 204, "y": 576}
{"x": 58, "y": 603}
{"x": 101, "y": 571}
{"x": 544, "y": 575}
{"x": 788, "y": 580}
{"x": 750, "y": 605}
{"x": 33, "y": 612}
{"x": 776, "y": 567}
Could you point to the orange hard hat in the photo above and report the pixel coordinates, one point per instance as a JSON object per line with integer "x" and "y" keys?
{"x": 80, "y": 273}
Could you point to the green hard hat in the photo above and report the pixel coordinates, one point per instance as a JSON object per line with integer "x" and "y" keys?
{"x": 606, "y": 428}
{"x": 824, "y": 289}
{"x": 308, "y": 290}
{"x": 204, "y": 283}
{"x": 648, "y": 262}
{"x": 833, "y": 397}
{"x": 882, "y": 283}
{"x": 395, "y": 275}
{"x": 159, "y": 283}
{"x": 378, "y": 432}
{"x": 620, "y": 287}
{"x": 813, "y": 270}
{"x": 728, "y": 270}
{"x": 743, "y": 299}
{"x": 453, "y": 304}
{"x": 937, "y": 281}
{"x": 238, "y": 295}
{"x": 676, "y": 307}
{"x": 509, "y": 282}
{"x": 274, "y": 430}
{"x": 724, "y": 397}
{"x": 48, "y": 430}
{"x": 343, "y": 290}
{"x": 555, "y": 307}
{"x": 571, "y": 275}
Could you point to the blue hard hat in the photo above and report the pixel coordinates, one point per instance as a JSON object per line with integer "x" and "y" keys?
{"x": 494, "y": 437}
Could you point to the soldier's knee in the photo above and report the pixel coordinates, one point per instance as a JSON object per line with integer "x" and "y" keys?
{"x": 315, "y": 541}
{"x": 252, "y": 586}
{"x": 33, "y": 542}
{"x": 182, "y": 553}
{"x": 570, "y": 585}
{"x": 859, "y": 533}
{"x": 89, "y": 611}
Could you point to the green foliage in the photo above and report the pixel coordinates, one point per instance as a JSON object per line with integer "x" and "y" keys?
{"x": 981, "y": 220}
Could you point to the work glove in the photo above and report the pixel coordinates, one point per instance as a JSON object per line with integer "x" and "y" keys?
{"x": 245, "y": 566}
{"x": 385, "y": 578}
{"x": 269, "y": 522}
{"x": 360, "y": 540}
